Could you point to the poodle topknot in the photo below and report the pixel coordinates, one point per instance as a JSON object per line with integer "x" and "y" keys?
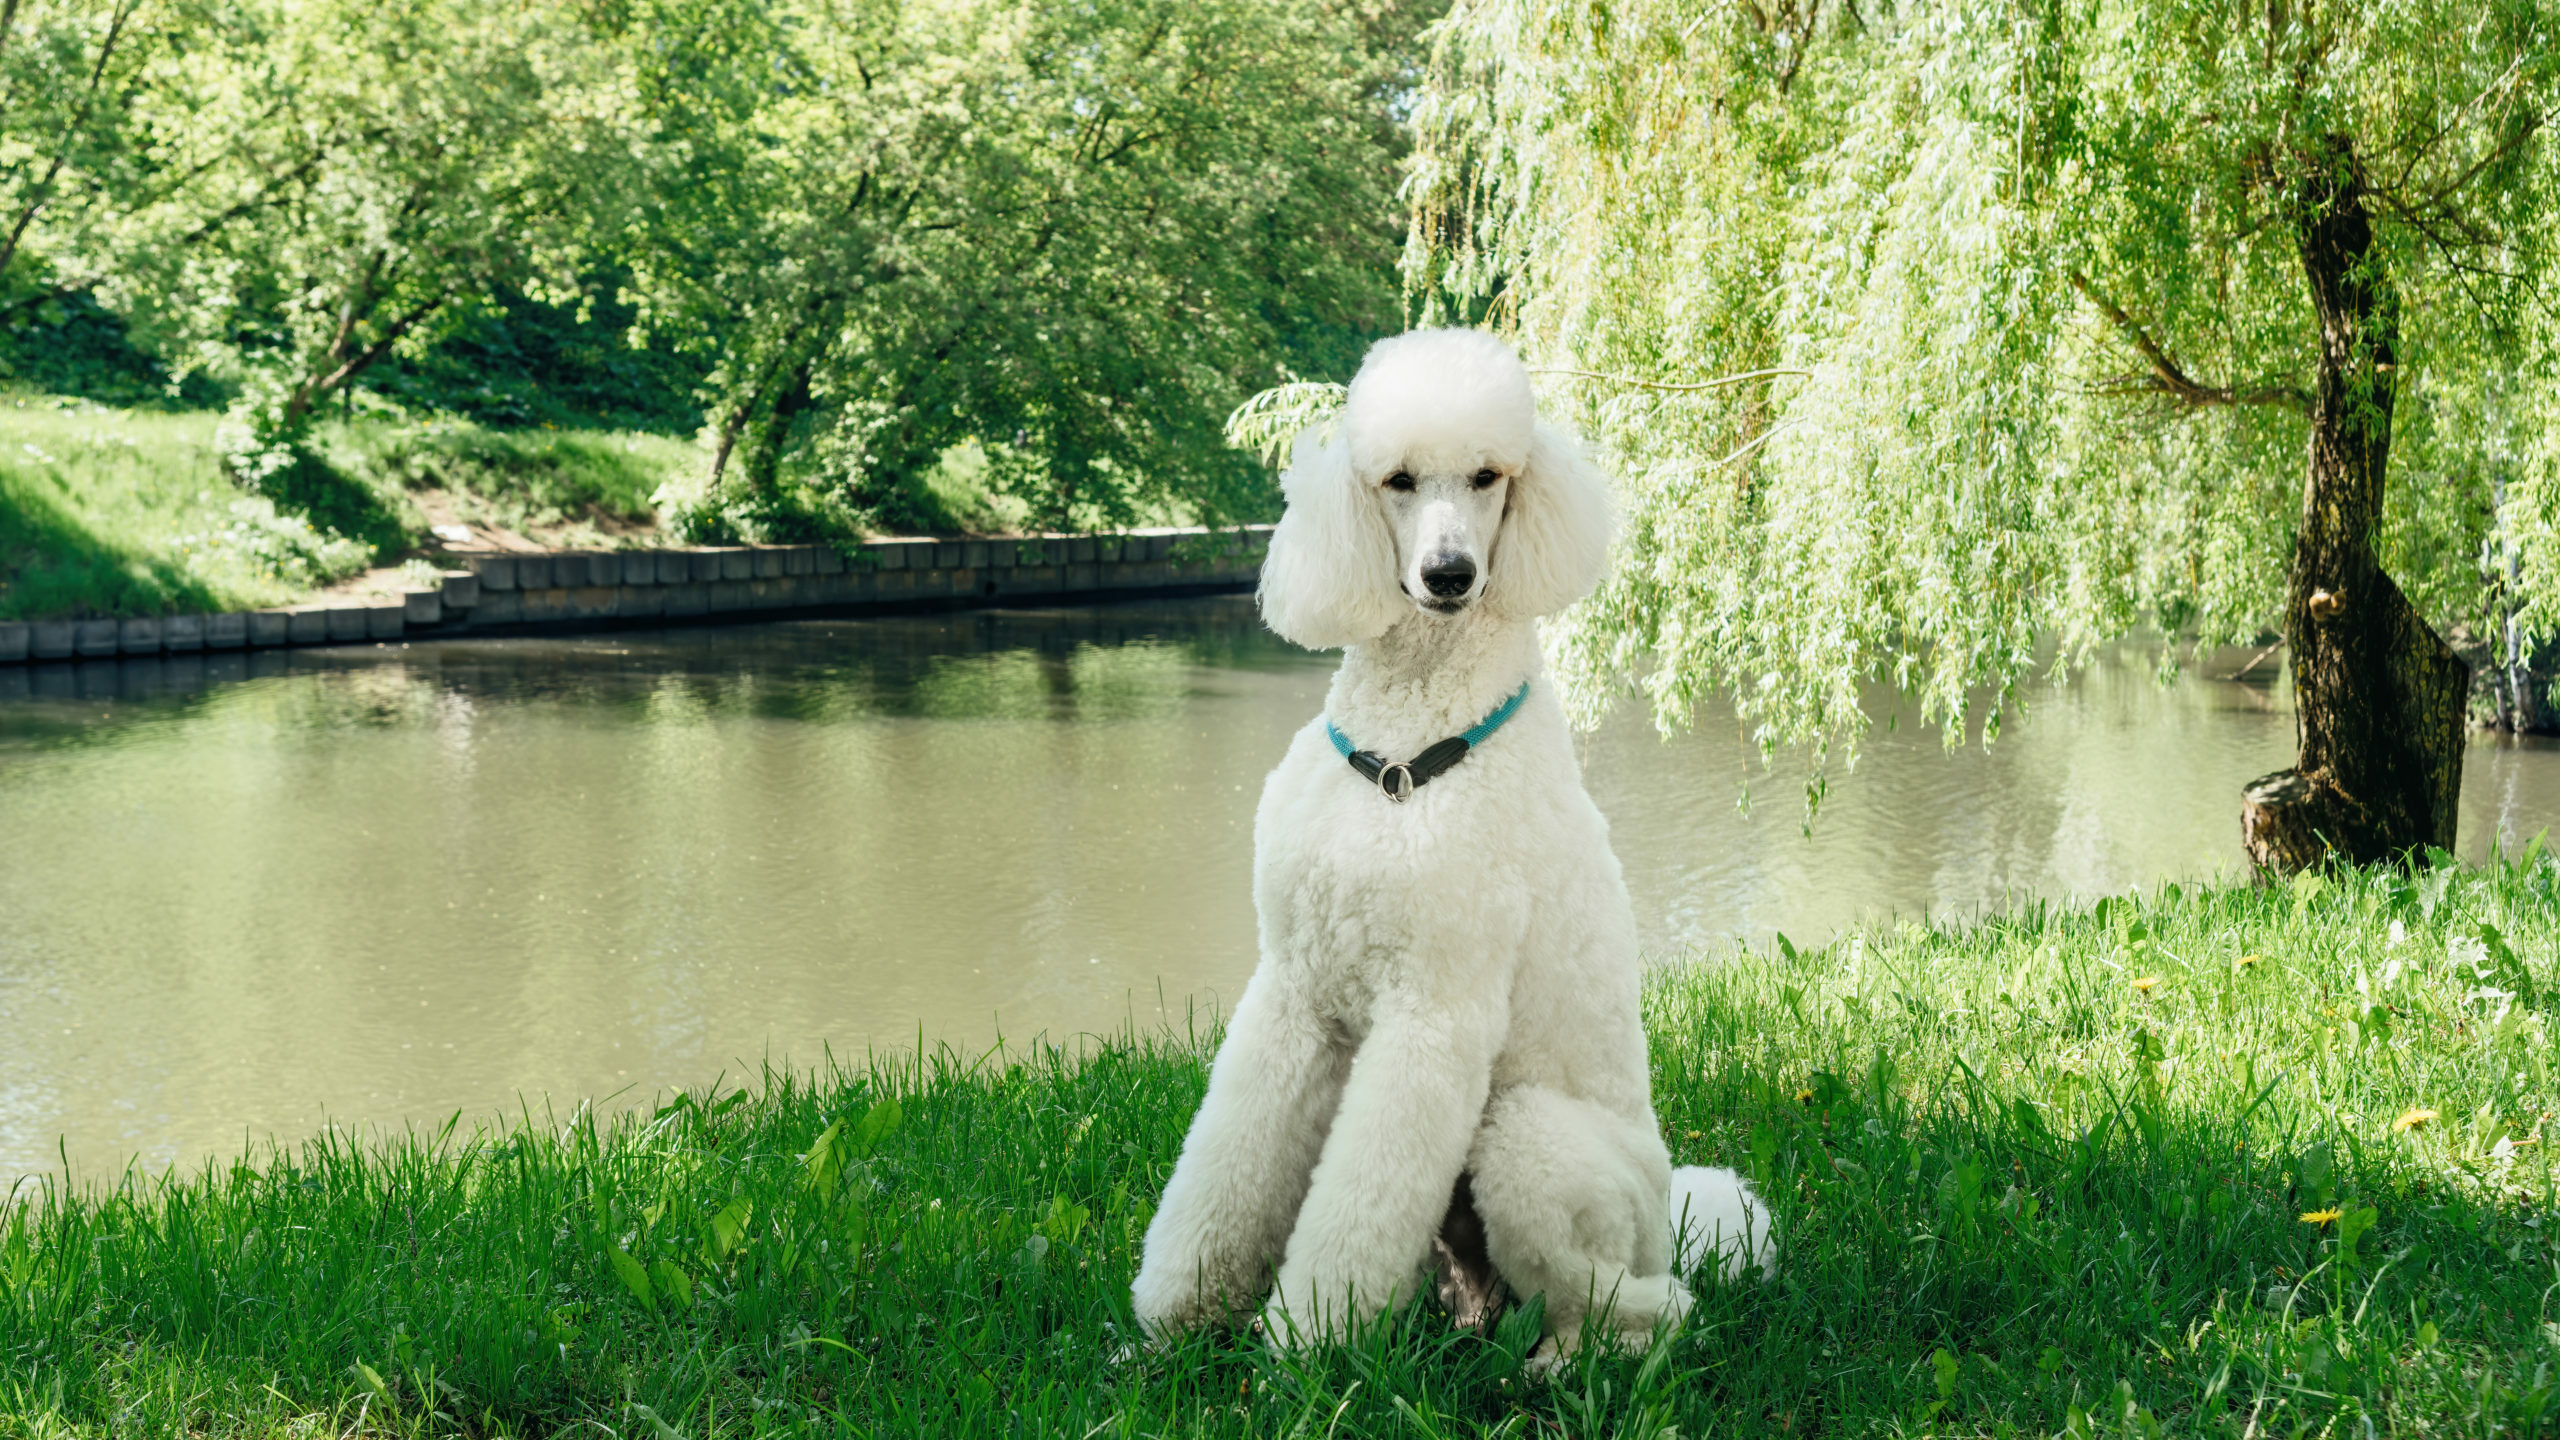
{"x": 1439, "y": 400}
{"x": 1442, "y": 403}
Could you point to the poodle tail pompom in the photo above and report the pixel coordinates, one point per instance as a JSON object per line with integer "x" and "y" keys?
{"x": 1716, "y": 1214}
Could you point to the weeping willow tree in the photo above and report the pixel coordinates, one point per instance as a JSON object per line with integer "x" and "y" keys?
{"x": 2052, "y": 321}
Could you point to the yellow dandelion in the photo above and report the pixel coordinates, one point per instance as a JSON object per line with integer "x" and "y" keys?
{"x": 1694, "y": 1134}
{"x": 2320, "y": 1217}
{"x": 1804, "y": 1096}
{"x": 2147, "y": 984}
{"x": 2412, "y": 1118}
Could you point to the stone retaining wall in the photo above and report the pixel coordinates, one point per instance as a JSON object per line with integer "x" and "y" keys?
{"x": 554, "y": 591}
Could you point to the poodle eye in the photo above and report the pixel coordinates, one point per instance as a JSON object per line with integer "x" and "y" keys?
{"x": 1485, "y": 479}
{"x": 1399, "y": 481}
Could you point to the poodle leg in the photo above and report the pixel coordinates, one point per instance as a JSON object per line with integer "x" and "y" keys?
{"x": 1573, "y": 1197}
{"x": 1390, "y": 1165}
{"x": 1235, "y": 1190}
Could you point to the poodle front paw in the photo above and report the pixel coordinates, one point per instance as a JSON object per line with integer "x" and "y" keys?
{"x": 1168, "y": 1304}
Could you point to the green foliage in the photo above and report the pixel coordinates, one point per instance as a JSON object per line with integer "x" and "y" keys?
{"x": 1073, "y": 236}
{"x": 2044, "y": 1175}
{"x": 1268, "y": 423}
{"x": 71, "y": 345}
{"x": 872, "y": 233}
{"x": 357, "y": 180}
{"x": 69, "y": 70}
{"x": 522, "y": 362}
{"x": 2021, "y": 285}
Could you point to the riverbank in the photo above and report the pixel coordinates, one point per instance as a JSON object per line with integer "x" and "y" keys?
{"x": 112, "y": 513}
{"x": 2055, "y": 1162}
{"x": 118, "y": 539}
{"x": 569, "y": 592}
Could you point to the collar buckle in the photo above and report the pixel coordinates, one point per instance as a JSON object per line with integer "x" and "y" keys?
{"x": 1398, "y": 779}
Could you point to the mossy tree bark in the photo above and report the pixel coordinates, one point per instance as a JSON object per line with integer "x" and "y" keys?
{"x": 2379, "y": 696}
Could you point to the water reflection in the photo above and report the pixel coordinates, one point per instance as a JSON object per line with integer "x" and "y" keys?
{"x": 241, "y": 896}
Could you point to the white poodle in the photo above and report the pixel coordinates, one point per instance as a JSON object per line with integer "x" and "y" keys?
{"x": 1444, "y": 1022}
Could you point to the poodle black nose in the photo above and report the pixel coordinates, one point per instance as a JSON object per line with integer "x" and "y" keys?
{"x": 1449, "y": 577}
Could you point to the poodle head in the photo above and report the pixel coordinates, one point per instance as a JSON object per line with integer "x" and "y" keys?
{"x": 1438, "y": 490}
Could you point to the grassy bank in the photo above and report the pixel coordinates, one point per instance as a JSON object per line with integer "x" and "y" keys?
{"x": 109, "y": 511}
{"x": 2046, "y": 1174}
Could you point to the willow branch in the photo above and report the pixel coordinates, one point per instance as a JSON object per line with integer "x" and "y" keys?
{"x": 2461, "y": 113}
{"x": 1719, "y": 383}
{"x": 2166, "y": 378}
{"x": 2524, "y": 132}
{"x": 1754, "y": 443}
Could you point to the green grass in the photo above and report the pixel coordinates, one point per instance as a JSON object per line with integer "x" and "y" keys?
{"x": 521, "y": 479}
{"x": 125, "y": 512}
{"x": 2019, "y": 1190}
{"x": 107, "y": 511}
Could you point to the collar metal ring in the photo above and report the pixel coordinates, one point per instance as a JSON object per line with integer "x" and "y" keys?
{"x": 1396, "y": 779}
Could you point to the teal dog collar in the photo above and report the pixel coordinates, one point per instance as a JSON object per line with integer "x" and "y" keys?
{"x": 1398, "y": 779}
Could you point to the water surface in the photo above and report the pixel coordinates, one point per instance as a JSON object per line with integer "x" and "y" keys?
{"x": 386, "y": 884}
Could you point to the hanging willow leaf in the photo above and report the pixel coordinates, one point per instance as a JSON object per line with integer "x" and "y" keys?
{"x": 2038, "y": 272}
{"x": 1268, "y": 423}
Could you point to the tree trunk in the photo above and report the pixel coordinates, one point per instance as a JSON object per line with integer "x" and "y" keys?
{"x": 352, "y": 363}
{"x": 735, "y": 426}
{"x": 771, "y": 434}
{"x": 2379, "y": 697}
{"x": 735, "y": 422}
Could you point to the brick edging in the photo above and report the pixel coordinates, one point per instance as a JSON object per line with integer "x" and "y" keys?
{"x": 566, "y": 590}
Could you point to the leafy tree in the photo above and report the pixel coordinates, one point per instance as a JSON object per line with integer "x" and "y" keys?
{"x": 521, "y": 361}
{"x": 66, "y": 69}
{"x": 2043, "y": 306}
{"x": 1073, "y": 234}
{"x": 356, "y": 178}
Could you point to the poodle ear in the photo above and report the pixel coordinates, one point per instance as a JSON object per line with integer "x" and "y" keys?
{"x": 1330, "y": 579}
{"x": 1554, "y": 542}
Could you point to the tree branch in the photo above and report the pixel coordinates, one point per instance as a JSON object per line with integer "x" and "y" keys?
{"x": 306, "y": 396}
{"x": 2531, "y": 127}
{"x": 202, "y": 230}
{"x": 381, "y": 347}
{"x": 265, "y": 196}
{"x": 70, "y": 131}
{"x": 2166, "y": 378}
{"x": 2419, "y": 155}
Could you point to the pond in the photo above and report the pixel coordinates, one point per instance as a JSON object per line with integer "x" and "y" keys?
{"x": 380, "y": 886}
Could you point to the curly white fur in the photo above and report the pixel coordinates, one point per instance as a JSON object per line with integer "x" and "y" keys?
{"x": 1451, "y": 983}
